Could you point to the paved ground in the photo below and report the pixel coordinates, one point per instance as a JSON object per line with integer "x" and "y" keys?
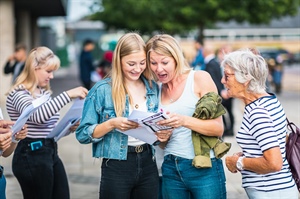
{"x": 84, "y": 171}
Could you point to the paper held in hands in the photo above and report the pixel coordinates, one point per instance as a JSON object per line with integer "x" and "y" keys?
{"x": 21, "y": 121}
{"x": 71, "y": 117}
{"x": 146, "y": 131}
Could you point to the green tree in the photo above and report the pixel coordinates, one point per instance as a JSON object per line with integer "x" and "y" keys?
{"x": 179, "y": 16}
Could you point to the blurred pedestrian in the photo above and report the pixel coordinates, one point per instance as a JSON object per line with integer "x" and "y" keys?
{"x": 16, "y": 61}
{"x": 104, "y": 67}
{"x": 86, "y": 63}
{"x": 198, "y": 62}
{"x": 7, "y": 146}
{"x": 277, "y": 73}
{"x": 227, "y": 101}
{"x": 128, "y": 166}
{"x": 262, "y": 135}
{"x": 181, "y": 88}
{"x": 36, "y": 164}
{"x": 213, "y": 67}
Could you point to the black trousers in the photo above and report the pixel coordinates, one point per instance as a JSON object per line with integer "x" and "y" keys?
{"x": 134, "y": 178}
{"x": 40, "y": 172}
{"x": 228, "y": 127}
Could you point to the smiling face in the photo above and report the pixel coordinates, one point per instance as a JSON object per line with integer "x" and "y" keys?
{"x": 234, "y": 88}
{"x": 133, "y": 65}
{"x": 44, "y": 75}
{"x": 162, "y": 66}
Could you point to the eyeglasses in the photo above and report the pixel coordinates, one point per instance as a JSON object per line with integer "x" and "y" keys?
{"x": 226, "y": 75}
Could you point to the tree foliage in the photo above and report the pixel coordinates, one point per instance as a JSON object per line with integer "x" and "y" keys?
{"x": 178, "y": 16}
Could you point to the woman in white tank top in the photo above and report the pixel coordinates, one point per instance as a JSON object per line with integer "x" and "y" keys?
{"x": 180, "y": 89}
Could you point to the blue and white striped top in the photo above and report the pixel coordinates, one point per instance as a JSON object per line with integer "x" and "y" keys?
{"x": 264, "y": 127}
{"x": 44, "y": 119}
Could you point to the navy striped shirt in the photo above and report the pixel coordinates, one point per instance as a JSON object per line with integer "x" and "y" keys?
{"x": 44, "y": 119}
{"x": 264, "y": 127}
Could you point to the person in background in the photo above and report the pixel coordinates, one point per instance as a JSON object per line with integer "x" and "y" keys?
{"x": 16, "y": 61}
{"x": 104, "y": 67}
{"x": 198, "y": 62}
{"x": 180, "y": 89}
{"x": 86, "y": 63}
{"x": 128, "y": 166}
{"x": 227, "y": 102}
{"x": 7, "y": 146}
{"x": 36, "y": 164}
{"x": 213, "y": 67}
{"x": 262, "y": 135}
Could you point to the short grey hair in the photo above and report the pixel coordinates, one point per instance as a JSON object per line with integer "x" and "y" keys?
{"x": 250, "y": 67}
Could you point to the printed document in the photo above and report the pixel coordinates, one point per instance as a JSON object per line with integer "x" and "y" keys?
{"x": 147, "y": 121}
{"x": 73, "y": 115}
{"x": 21, "y": 121}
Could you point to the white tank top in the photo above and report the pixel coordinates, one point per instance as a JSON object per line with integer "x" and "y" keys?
{"x": 180, "y": 143}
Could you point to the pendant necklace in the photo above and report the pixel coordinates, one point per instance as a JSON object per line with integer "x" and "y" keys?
{"x": 136, "y": 106}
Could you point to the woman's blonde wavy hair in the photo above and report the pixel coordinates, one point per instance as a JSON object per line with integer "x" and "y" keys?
{"x": 127, "y": 44}
{"x": 38, "y": 58}
{"x": 167, "y": 45}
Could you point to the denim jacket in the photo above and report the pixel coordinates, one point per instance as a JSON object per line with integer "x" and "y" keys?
{"x": 98, "y": 108}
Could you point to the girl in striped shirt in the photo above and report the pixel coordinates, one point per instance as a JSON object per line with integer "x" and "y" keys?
{"x": 36, "y": 164}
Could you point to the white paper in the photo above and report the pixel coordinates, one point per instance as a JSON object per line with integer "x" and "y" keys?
{"x": 147, "y": 121}
{"x": 1, "y": 114}
{"x": 73, "y": 115}
{"x": 21, "y": 121}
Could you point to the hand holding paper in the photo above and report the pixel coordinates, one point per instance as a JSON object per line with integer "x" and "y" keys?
{"x": 148, "y": 127}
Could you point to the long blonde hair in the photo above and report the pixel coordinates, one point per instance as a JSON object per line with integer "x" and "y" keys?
{"x": 127, "y": 44}
{"x": 40, "y": 57}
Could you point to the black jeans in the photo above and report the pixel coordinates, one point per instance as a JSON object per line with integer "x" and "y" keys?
{"x": 134, "y": 178}
{"x": 41, "y": 173}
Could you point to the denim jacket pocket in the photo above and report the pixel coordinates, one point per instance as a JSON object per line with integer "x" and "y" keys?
{"x": 108, "y": 114}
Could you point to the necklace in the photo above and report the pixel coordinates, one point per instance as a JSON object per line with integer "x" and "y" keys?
{"x": 171, "y": 100}
{"x": 136, "y": 105}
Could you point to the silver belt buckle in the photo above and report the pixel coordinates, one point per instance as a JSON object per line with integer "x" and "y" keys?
{"x": 139, "y": 149}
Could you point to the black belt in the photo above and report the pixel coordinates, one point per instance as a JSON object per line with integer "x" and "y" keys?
{"x": 37, "y": 143}
{"x": 45, "y": 141}
{"x": 139, "y": 148}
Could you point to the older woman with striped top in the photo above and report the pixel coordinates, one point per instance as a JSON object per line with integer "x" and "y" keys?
{"x": 262, "y": 162}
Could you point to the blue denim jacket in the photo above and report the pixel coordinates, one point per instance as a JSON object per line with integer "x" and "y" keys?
{"x": 98, "y": 108}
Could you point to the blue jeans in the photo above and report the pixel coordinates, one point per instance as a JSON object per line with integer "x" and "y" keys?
{"x": 40, "y": 173}
{"x": 2, "y": 184}
{"x": 134, "y": 178}
{"x": 289, "y": 193}
{"x": 184, "y": 181}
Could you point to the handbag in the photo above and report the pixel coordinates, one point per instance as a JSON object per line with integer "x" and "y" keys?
{"x": 293, "y": 151}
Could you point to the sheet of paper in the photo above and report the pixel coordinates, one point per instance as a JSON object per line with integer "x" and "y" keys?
{"x": 1, "y": 114}
{"x": 148, "y": 126}
{"x": 21, "y": 121}
{"x": 71, "y": 117}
